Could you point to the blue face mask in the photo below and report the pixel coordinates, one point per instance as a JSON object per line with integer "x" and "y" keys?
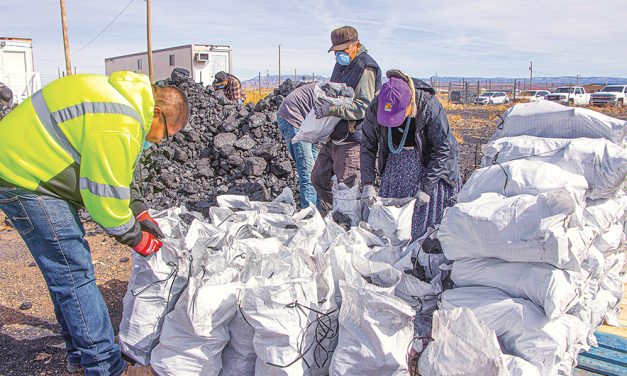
{"x": 342, "y": 58}
{"x": 147, "y": 145}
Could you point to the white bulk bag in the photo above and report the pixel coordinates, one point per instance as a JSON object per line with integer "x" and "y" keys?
{"x": 393, "y": 216}
{"x": 231, "y": 221}
{"x": 155, "y": 285}
{"x": 315, "y": 130}
{"x": 516, "y": 229}
{"x": 601, "y": 214}
{"x": 197, "y": 330}
{"x": 602, "y": 162}
{"x": 265, "y": 262}
{"x": 519, "y": 367}
{"x": 376, "y": 331}
{"x": 347, "y": 201}
{"x": 462, "y": 345}
{"x": 522, "y": 177}
{"x": 423, "y": 298}
{"x": 549, "y": 288}
{"x": 522, "y": 327}
{"x": 552, "y": 120}
{"x": 611, "y": 240}
{"x": 288, "y": 320}
{"x": 238, "y": 357}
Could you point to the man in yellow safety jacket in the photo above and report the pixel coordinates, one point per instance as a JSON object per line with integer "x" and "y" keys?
{"x": 76, "y": 143}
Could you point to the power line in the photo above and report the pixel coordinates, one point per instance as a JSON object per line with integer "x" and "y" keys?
{"x": 105, "y": 29}
{"x": 96, "y": 36}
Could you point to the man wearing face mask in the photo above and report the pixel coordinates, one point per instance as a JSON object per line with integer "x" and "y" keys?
{"x": 340, "y": 156}
{"x": 76, "y": 143}
{"x": 230, "y": 85}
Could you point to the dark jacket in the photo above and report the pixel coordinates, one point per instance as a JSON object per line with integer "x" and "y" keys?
{"x": 434, "y": 139}
{"x": 351, "y": 75}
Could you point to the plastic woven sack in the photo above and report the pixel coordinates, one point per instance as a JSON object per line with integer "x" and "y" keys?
{"x": 314, "y": 130}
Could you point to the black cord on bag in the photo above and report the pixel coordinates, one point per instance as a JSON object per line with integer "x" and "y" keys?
{"x": 413, "y": 369}
{"x": 173, "y": 273}
{"x": 322, "y": 331}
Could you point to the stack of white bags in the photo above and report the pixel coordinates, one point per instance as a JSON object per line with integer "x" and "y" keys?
{"x": 537, "y": 240}
{"x": 264, "y": 289}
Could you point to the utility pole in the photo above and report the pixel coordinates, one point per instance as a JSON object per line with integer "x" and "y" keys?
{"x": 577, "y": 80}
{"x": 294, "y": 74}
{"x": 66, "y": 42}
{"x": 530, "y": 74}
{"x": 148, "y": 40}
{"x": 279, "y": 64}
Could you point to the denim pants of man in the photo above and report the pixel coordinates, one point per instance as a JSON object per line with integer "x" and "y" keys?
{"x": 304, "y": 155}
{"x": 54, "y": 235}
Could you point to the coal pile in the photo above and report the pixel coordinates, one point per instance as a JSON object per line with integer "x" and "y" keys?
{"x": 227, "y": 148}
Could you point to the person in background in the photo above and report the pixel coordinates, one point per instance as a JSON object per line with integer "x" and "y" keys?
{"x": 340, "y": 155}
{"x": 6, "y": 99}
{"x": 231, "y": 86}
{"x": 76, "y": 143}
{"x": 290, "y": 116}
{"x": 406, "y": 129}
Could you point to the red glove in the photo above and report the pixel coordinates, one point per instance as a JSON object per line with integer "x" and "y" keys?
{"x": 149, "y": 224}
{"x": 148, "y": 245}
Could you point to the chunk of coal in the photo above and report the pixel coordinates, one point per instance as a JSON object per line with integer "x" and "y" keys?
{"x": 281, "y": 169}
{"x": 224, "y": 142}
{"x": 26, "y": 306}
{"x": 245, "y": 143}
{"x": 255, "y": 166}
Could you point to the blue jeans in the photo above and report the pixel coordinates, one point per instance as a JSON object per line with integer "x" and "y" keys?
{"x": 54, "y": 235}
{"x": 304, "y": 155}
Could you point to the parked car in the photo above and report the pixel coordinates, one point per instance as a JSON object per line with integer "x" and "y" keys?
{"x": 571, "y": 96}
{"x": 613, "y": 95}
{"x": 461, "y": 97}
{"x": 492, "y": 97}
{"x": 533, "y": 95}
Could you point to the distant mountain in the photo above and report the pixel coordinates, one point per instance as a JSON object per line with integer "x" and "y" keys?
{"x": 272, "y": 81}
{"x": 539, "y": 80}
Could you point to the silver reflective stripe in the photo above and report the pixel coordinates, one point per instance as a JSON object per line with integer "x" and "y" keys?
{"x": 69, "y": 113}
{"x": 122, "y": 229}
{"x": 105, "y": 190}
{"x": 44, "y": 115}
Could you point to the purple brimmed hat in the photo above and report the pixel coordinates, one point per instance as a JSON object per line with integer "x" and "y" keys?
{"x": 394, "y": 98}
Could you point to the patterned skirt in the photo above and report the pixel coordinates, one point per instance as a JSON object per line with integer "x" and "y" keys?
{"x": 401, "y": 178}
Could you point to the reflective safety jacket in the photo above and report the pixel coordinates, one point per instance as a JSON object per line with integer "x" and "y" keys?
{"x": 79, "y": 139}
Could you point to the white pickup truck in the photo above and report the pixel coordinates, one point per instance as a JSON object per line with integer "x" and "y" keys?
{"x": 613, "y": 95}
{"x": 571, "y": 96}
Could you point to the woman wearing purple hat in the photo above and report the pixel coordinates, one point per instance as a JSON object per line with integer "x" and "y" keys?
{"x": 418, "y": 155}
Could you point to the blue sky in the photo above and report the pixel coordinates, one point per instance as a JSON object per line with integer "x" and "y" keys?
{"x": 451, "y": 38}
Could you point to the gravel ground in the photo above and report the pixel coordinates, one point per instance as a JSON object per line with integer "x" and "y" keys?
{"x": 29, "y": 340}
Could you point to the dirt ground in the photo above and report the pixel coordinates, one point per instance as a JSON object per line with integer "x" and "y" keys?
{"x": 29, "y": 339}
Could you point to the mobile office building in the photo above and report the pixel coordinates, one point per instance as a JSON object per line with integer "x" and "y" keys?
{"x": 203, "y": 61}
{"x": 17, "y": 67}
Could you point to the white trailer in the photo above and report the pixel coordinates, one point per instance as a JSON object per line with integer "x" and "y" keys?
{"x": 17, "y": 68}
{"x": 202, "y": 60}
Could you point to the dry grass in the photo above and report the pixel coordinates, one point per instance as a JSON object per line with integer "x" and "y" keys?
{"x": 254, "y": 95}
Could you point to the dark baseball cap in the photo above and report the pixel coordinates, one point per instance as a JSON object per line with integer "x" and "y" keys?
{"x": 342, "y": 37}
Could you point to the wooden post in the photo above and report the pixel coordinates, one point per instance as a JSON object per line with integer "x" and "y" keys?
{"x": 449, "y": 92}
{"x": 149, "y": 40}
{"x": 259, "y": 83}
{"x": 66, "y": 42}
{"x": 514, "y": 89}
{"x": 279, "y": 65}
